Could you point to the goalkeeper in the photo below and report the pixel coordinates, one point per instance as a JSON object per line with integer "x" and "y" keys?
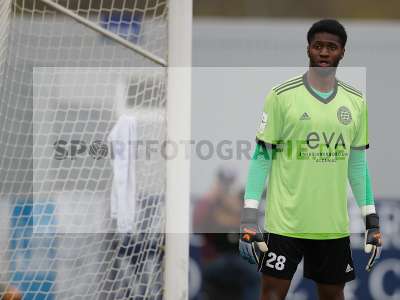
{"x": 311, "y": 142}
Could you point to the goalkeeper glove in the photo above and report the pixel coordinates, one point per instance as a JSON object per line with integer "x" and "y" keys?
{"x": 251, "y": 237}
{"x": 373, "y": 239}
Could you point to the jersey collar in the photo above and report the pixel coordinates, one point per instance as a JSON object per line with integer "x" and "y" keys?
{"x": 311, "y": 91}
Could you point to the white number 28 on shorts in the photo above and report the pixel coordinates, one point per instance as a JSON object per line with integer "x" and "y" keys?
{"x": 275, "y": 262}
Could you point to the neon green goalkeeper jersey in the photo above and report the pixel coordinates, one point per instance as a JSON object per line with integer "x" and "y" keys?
{"x": 312, "y": 138}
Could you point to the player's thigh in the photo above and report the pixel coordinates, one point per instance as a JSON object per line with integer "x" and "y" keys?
{"x": 282, "y": 258}
{"x": 330, "y": 291}
{"x": 274, "y": 288}
{"x": 329, "y": 262}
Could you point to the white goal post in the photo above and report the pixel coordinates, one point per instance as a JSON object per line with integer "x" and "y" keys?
{"x": 70, "y": 71}
{"x": 178, "y": 170}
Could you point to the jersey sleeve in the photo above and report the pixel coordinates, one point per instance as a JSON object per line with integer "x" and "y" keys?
{"x": 269, "y": 131}
{"x": 361, "y": 140}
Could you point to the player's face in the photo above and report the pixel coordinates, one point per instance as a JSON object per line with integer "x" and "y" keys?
{"x": 325, "y": 52}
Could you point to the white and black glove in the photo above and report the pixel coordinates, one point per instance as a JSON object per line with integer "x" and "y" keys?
{"x": 373, "y": 239}
{"x": 251, "y": 241}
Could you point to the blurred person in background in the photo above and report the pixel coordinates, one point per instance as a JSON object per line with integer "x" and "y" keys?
{"x": 310, "y": 144}
{"x": 217, "y": 218}
{"x": 8, "y": 292}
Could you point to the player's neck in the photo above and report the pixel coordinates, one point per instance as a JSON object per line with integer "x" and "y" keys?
{"x": 319, "y": 82}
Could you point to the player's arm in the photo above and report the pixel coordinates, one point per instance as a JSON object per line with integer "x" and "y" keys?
{"x": 360, "y": 182}
{"x": 269, "y": 131}
{"x": 251, "y": 236}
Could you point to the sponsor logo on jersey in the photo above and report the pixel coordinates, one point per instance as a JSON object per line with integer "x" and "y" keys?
{"x": 344, "y": 115}
{"x": 322, "y": 147}
{"x": 316, "y": 140}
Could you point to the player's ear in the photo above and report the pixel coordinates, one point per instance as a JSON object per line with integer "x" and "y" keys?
{"x": 342, "y": 55}
{"x": 308, "y": 51}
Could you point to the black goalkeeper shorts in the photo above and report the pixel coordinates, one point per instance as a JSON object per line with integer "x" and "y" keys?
{"x": 325, "y": 261}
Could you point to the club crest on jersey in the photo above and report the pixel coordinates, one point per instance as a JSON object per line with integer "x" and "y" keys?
{"x": 344, "y": 115}
{"x": 264, "y": 119}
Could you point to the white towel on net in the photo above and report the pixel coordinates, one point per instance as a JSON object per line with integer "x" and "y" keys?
{"x": 123, "y": 195}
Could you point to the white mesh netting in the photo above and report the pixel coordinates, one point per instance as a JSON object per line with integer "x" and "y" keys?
{"x": 64, "y": 86}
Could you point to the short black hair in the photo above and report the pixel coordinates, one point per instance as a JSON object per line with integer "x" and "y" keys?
{"x": 329, "y": 26}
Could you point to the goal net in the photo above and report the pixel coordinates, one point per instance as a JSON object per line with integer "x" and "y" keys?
{"x": 83, "y": 209}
